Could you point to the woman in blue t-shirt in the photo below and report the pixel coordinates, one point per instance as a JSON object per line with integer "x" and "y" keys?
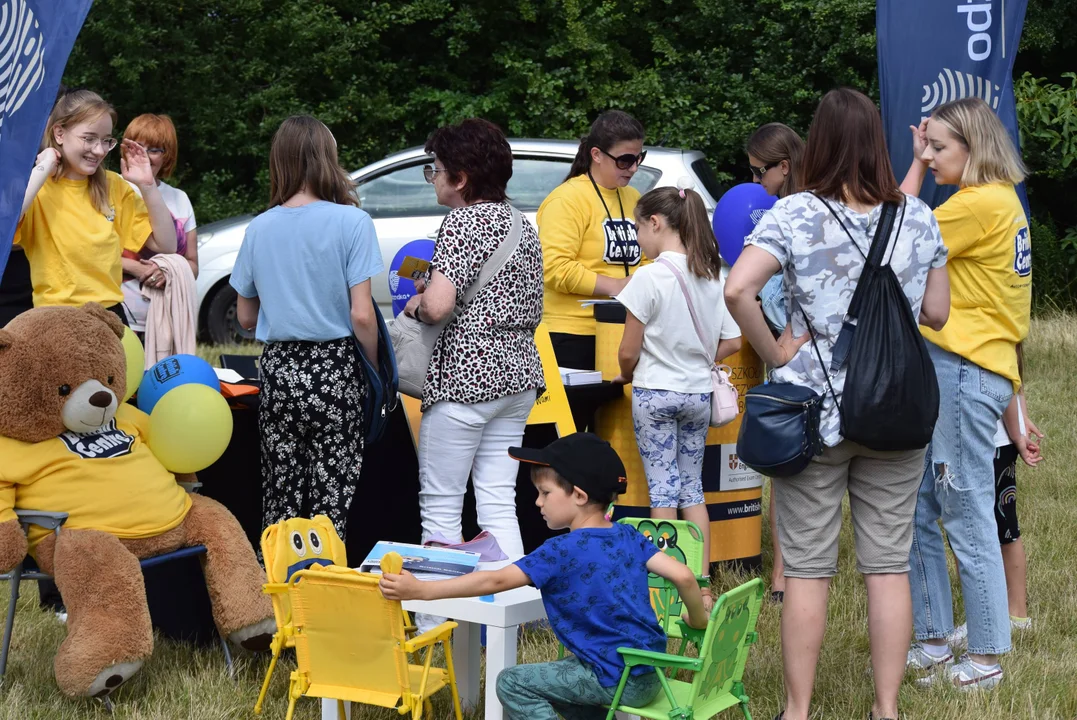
{"x": 303, "y": 278}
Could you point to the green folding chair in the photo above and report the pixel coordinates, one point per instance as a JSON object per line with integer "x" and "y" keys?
{"x": 717, "y": 673}
{"x": 681, "y": 540}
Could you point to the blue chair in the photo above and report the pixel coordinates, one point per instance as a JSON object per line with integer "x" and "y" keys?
{"x": 28, "y": 570}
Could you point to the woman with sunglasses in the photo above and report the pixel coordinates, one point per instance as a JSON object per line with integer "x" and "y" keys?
{"x": 774, "y": 152}
{"x": 588, "y": 235}
{"x": 77, "y": 217}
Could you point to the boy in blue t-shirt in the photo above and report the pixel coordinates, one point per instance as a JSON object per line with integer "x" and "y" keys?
{"x": 593, "y": 582}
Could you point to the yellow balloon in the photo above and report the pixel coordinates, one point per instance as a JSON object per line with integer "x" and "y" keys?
{"x": 190, "y": 428}
{"x": 136, "y": 361}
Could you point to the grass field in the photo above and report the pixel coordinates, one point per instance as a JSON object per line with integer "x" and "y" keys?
{"x": 1041, "y": 673}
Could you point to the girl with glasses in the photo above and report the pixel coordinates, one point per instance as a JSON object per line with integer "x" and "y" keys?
{"x": 77, "y": 217}
{"x": 589, "y": 246}
{"x": 774, "y": 152}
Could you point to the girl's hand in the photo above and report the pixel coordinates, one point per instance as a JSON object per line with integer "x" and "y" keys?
{"x": 48, "y": 158}
{"x": 401, "y": 587}
{"x": 420, "y": 285}
{"x": 788, "y": 345}
{"x": 622, "y": 379}
{"x": 919, "y": 140}
{"x": 135, "y": 164}
{"x": 1028, "y": 447}
{"x": 152, "y": 275}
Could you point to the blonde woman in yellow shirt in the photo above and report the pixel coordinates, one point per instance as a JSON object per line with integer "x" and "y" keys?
{"x": 990, "y": 270}
{"x": 77, "y": 218}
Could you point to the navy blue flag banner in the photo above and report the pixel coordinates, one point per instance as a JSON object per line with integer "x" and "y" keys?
{"x": 934, "y": 51}
{"x": 36, "y": 37}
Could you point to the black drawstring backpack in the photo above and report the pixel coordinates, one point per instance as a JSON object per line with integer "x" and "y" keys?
{"x": 891, "y": 395}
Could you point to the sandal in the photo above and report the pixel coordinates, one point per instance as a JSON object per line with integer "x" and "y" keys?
{"x": 777, "y": 597}
{"x": 871, "y": 716}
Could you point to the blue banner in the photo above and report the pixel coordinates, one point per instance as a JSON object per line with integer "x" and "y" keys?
{"x": 36, "y": 37}
{"x": 934, "y": 51}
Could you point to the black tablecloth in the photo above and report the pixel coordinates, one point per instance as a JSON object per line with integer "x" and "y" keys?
{"x": 386, "y": 504}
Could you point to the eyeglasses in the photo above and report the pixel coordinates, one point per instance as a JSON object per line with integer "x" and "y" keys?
{"x": 759, "y": 172}
{"x": 90, "y": 141}
{"x": 429, "y": 172}
{"x": 627, "y": 160}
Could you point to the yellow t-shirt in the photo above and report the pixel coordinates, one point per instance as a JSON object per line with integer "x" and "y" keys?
{"x": 108, "y": 479}
{"x": 990, "y": 269}
{"x": 579, "y": 243}
{"x": 73, "y": 249}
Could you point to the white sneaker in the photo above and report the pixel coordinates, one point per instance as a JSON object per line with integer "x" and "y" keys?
{"x": 959, "y": 638}
{"x": 966, "y": 676}
{"x": 921, "y": 659}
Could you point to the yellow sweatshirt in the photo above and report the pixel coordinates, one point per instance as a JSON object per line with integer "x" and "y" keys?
{"x": 107, "y": 480}
{"x": 579, "y": 243}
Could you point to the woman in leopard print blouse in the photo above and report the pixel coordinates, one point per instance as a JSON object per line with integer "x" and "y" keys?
{"x": 485, "y": 371}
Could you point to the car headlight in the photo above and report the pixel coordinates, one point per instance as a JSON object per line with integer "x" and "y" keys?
{"x": 204, "y": 238}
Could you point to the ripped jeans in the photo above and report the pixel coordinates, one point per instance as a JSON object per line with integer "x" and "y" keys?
{"x": 959, "y": 487}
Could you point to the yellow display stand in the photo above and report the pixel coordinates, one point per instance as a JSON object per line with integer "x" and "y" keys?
{"x": 733, "y": 491}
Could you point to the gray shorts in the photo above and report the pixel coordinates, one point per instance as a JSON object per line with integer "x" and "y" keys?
{"x": 882, "y": 490}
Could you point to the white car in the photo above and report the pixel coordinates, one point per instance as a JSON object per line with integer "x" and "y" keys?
{"x": 404, "y": 208}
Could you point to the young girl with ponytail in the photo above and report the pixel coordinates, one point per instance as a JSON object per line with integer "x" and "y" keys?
{"x": 664, "y": 357}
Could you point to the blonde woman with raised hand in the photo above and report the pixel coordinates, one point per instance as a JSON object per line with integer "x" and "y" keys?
{"x": 984, "y": 227}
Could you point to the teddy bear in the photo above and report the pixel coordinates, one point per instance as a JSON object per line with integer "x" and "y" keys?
{"x": 70, "y": 444}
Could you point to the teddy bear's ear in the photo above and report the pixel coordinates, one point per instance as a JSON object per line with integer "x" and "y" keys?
{"x": 109, "y": 318}
{"x": 6, "y": 339}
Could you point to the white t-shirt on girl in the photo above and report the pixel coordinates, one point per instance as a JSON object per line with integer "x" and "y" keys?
{"x": 672, "y": 357}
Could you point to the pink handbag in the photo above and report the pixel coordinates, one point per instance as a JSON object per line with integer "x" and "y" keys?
{"x": 724, "y": 394}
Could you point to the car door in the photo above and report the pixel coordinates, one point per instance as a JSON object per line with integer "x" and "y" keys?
{"x": 405, "y": 209}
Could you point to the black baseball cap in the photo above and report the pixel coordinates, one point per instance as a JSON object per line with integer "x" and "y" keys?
{"x": 585, "y": 460}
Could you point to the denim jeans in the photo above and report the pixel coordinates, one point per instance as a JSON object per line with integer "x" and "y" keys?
{"x": 772, "y": 298}
{"x": 959, "y": 487}
{"x": 567, "y": 687}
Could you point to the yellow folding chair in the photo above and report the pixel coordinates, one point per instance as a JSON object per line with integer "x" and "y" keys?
{"x": 287, "y": 547}
{"x": 350, "y": 644}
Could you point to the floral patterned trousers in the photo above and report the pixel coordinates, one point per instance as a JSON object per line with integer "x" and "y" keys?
{"x": 311, "y": 427}
{"x": 671, "y": 432}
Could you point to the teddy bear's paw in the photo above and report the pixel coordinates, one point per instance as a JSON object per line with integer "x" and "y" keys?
{"x": 112, "y": 677}
{"x": 257, "y": 637}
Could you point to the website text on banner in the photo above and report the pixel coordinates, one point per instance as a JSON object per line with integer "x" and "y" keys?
{"x": 932, "y": 52}
{"x": 36, "y": 37}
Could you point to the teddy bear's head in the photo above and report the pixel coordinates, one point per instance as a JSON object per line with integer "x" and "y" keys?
{"x": 61, "y": 368}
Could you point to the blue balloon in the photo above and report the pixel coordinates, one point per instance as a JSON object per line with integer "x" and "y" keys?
{"x": 402, "y": 288}
{"x": 172, "y": 372}
{"x": 736, "y": 215}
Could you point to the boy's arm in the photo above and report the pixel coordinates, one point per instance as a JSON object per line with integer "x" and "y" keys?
{"x": 484, "y": 582}
{"x": 680, "y": 575}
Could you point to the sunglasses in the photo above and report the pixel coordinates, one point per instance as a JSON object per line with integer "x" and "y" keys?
{"x": 759, "y": 172}
{"x": 627, "y": 160}
{"x": 430, "y": 172}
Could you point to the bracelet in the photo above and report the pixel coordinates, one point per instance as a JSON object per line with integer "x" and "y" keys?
{"x": 417, "y": 313}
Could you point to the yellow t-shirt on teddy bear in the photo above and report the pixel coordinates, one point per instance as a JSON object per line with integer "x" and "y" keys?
{"x": 107, "y": 480}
